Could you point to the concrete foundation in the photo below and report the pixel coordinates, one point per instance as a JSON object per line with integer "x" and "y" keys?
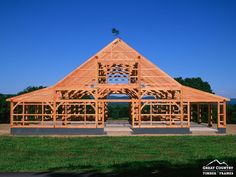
{"x": 57, "y": 131}
{"x": 161, "y": 131}
{"x": 221, "y": 130}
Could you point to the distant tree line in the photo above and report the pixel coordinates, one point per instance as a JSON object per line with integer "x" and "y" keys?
{"x": 118, "y": 111}
{"x": 30, "y": 89}
{"x": 195, "y": 82}
{"x": 231, "y": 113}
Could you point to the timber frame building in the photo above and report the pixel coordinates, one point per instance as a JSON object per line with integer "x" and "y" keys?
{"x": 78, "y": 103}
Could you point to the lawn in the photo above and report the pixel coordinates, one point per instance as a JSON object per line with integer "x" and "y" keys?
{"x": 116, "y": 156}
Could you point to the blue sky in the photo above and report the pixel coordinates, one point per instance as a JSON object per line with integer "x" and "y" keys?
{"x": 42, "y": 41}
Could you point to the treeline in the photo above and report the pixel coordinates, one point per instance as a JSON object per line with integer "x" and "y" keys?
{"x": 195, "y": 82}
{"x": 231, "y": 113}
{"x": 118, "y": 111}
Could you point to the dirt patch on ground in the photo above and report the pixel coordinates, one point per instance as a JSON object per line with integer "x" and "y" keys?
{"x": 231, "y": 129}
{"x": 4, "y": 129}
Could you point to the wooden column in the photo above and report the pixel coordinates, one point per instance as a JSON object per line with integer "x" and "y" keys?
{"x": 54, "y": 109}
{"x": 42, "y": 113}
{"x": 63, "y": 114}
{"x": 66, "y": 112}
{"x": 218, "y": 114}
{"x": 139, "y": 110}
{"x": 11, "y": 113}
{"x": 132, "y": 113}
{"x": 23, "y": 113}
{"x": 224, "y": 112}
{"x": 209, "y": 115}
{"x": 36, "y": 111}
{"x": 101, "y": 113}
{"x": 151, "y": 112}
{"x": 96, "y": 109}
{"x": 189, "y": 114}
{"x": 85, "y": 114}
{"x": 199, "y": 113}
{"x": 181, "y": 108}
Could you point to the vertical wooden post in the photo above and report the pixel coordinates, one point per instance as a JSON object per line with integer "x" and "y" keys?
{"x": 189, "y": 114}
{"x": 132, "y": 112}
{"x": 218, "y": 114}
{"x": 36, "y": 111}
{"x": 11, "y": 113}
{"x": 42, "y": 113}
{"x": 65, "y": 116}
{"x": 23, "y": 114}
{"x": 139, "y": 113}
{"x": 199, "y": 113}
{"x": 96, "y": 109}
{"x": 209, "y": 115}
{"x": 98, "y": 113}
{"x": 151, "y": 112}
{"x": 54, "y": 108}
{"x": 85, "y": 114}
{"x": 181, "y": 107}
{"x": 224, "y": 112}
{"x": 103, "y": 109}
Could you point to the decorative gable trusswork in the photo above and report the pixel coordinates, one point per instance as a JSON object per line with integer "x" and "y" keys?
{"x": 80, "y": 99}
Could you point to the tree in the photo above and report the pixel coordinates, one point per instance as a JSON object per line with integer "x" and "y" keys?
{"x": 195, "y": 82}
{"x": 231, "y": 113}
{"x": 30, "y": 89}
{"x": 4, "y": 108}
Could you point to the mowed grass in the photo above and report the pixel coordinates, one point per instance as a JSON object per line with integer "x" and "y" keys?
{"x": 140, "y": 156}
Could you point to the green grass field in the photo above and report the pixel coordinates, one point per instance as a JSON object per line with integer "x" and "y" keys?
{"x": 124, "y": 156}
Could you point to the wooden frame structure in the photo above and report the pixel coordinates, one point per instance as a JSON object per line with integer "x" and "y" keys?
{"x": 80, "y": 99}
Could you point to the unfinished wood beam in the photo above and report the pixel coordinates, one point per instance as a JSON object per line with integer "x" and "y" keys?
{"x": 224, "y": 114}
{"x": 24, "y": 111}
{"x": 189, "y": 114}
{"x": 218, "y": 115}
{"x": 11, "y": 113}
{"x": 199, "y": 114}
{"x": 181, "y": 108}
{"x": 210, "y": 118}
{"x": 85, "y": 114}
{"x": 54, "y": 110}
